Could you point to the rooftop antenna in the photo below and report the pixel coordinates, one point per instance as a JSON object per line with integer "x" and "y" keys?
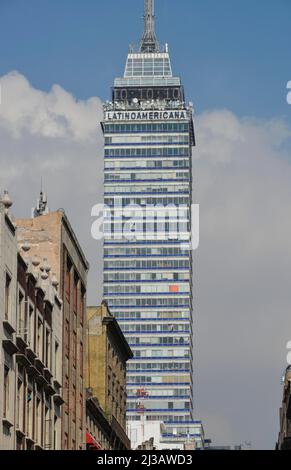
{"x": 149, "y": 42}
{"x": 41, "y": 206}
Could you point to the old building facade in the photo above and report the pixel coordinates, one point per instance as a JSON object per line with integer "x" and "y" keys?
{"x": 8, "y": 281}
{"x": 31, "y": 345}
{"x": 50, "y": 235}
{"x": 107, "y": 354}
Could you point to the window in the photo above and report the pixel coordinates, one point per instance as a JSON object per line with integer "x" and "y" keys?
{"x": 74, "y": 349}
{"x": 47, "y": 428}
{"x": 67, "y": 338}
{"x": 31, "y": 327}
{"x": 19, "y": 443}
{"x": 29, "y": 411}
{"x": 82, "y": 306}
{"x": 39, "y": 339}
{"x": 6, "y": 392}
{"x": 74, "y": 403}
{"x": 7, "y": 296}
{"x": 81, "y": 410}
{"x": 68, "y": 280}
{"x": 75, "y": 296}
{"x": 21, "y": 314}
{"x": 47, "y": 348}
{"x": 57, "y": 358}
{"x": 20, "y": 404}
{"x": 38, "y": 422}
{"x": 55, "y": 432}
{"x": 66, "y": 441}
{"x": 81, "y": 359}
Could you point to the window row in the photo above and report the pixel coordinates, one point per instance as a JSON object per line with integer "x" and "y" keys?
{"x": 141, "y": 277}
{"x": 163, "y": 328}
{"x": 132, "y": 177}
{"x": 169, "y": 251}
{"x": 166, "y": 379}
{"x": 147, "y": 189}
{"x": 150, "y": 164}
{"x": 147, "y": 289}
{"x": 175, "y": 366}
{"x": 148, "y": 127}
{"x": 147, "y": 264}
{"x": 164, "y": 340}
{"x": 152, "y": 315}
{"x": 149, "y": 302}
{"x": 146, "y": 139}
{"x": 153, "y": 392}
{"x": 164, "y": 201}
{"x": 165, "y": 352}
{"x": 147, "y": 152}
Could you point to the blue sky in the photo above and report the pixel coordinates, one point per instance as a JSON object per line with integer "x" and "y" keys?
{"x": 231, "y": 54}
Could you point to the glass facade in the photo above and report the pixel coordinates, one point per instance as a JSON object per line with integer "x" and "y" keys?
{"x": 149, "y": 135}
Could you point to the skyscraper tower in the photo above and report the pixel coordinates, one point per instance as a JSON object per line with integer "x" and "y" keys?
{"x": 149, "y": 136}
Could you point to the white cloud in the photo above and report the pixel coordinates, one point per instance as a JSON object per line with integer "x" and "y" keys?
{"x": 49, "y": 115}
{"x": 242, "y": 179}
{"x": 242, "y": 268}
{"x": 53, "y": 136}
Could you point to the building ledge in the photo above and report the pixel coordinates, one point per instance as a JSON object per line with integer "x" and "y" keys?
{"x": 7, "y": 423}
{"x": 48, "y": 374}
{"x": 29, "y": 440}
{"x": 40, "y": 379}
{"x": 20, "y": 433}
{"x": 30, "y": 353}
{"x": 32, "y": 371}
{"x": 22, "y": 359}
{"x": 9, "y": 347}
{"x": 8, "y": 327}
{"x": 38, "y": 447}
{"x": 20, "y": 341}
{"x": 39, "y": 364}
{"x": 49, "y": 389}
{"x": 58, "y": 400}
{"x": 57, "y": 384}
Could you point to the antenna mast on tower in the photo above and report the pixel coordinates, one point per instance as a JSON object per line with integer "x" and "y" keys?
{"x": 149, "y": 42}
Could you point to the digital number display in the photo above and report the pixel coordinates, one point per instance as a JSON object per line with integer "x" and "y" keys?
{"x": 148, "y": 94}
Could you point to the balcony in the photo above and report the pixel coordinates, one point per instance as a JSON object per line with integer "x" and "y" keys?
{"x": 21, "y": 340}
{"x": 47, "y": 373}
{"x": 49, "y": 388}
{"x": 30, "y": 353}
{"x": 57, "y": 384}
{"x": 32, "y": 371}
{"x": 22, "y": 360}
{"x": 19, "y": 432}
{"x": 8, "y": 327}
{"x": 40, "y": 379}
{"x": 30, "y": 443}
{"x": 9, "y": 347}
{"x": 58, "y": 400}
{"x": 39, "y": 365}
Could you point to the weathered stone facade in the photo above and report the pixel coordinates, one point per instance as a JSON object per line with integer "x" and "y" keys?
{"x": 52, "y": 237}
{"x": 107, "y": 353}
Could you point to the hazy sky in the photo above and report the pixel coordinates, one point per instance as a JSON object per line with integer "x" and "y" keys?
{"x": 59, "y": 59}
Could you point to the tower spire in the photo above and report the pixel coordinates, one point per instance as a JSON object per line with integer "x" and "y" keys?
{"x": 149, "y": 41}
